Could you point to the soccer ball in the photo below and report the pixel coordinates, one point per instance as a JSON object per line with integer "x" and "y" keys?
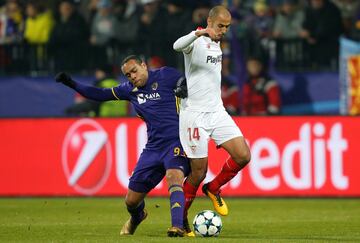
{"x": 207, "y": 223}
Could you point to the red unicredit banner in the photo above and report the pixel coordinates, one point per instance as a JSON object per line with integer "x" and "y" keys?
{"x": 291, "y": 156}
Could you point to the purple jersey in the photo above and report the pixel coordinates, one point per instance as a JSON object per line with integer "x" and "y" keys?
{"x": 156, "y": 104}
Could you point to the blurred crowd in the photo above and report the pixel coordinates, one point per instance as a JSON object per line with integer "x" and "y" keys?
{"x": 76, "y": 32}
{"x": 83, "y": 35}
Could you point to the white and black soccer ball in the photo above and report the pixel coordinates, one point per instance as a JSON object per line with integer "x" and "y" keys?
{"x": 207, "y": 223}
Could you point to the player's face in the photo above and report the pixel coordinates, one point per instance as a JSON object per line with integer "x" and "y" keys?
{"x": 220, "y": 24}
{"x": 135, "y": 72}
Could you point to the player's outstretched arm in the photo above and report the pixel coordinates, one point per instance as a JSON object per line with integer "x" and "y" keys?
{"x": 184, "y": 43}
{"x": 90, "y": 92}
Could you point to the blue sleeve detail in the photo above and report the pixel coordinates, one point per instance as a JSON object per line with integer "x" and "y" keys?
{"x": 122, "y": 92}
{"x": 171, "y": 75}
{"x": 94, "y": 93}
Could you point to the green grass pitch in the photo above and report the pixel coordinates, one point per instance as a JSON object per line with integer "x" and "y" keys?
{"x": 249, "y": 220}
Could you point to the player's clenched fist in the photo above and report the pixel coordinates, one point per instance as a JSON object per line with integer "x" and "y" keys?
{"x": 206, "y": 32}
{"x": 64, "y": 78}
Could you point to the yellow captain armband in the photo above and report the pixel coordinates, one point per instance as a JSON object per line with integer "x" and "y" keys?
{"x": 177, "y": 102}
{"x": 113, "y": 91}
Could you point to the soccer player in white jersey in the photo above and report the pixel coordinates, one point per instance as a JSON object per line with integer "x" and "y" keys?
{"x": 202, "y": 114}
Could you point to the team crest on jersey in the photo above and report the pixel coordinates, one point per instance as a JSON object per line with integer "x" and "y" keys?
{"x": 142, "y": 98}
{"x": 154, "y": 86}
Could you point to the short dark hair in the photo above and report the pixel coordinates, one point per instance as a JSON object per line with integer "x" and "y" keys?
{"x": 215, "y": 11}
{"x": 132, "y": 57}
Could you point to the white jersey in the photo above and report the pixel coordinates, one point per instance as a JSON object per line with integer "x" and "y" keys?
{"x": 202, "y": 114}
{"x": 203, "y": 73}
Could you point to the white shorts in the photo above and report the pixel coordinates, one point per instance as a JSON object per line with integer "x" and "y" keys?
{"x": 196, "y": 128}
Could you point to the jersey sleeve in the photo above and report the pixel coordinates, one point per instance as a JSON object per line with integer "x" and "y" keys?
{"x": 93, "y": 93}
{"x": 185, "y": 43}
{"x": 171, "y": 75}
{"x": 121, "y": 92}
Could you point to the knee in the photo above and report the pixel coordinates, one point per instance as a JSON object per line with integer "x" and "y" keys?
{"x": 243, "y": 157}
{"x": 199, "y": 174}
{"x": 174, "y": 177}
{"x": 131, "y": 202}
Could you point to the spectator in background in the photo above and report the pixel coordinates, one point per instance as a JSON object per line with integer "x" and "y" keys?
{"x": 261, "y": 22}
{"x": 104, "y": 25}
{"x": 104, "y": 78}
{"x": 260, "y": 26}
{"x": 230, "y": 96}
{"x": 88, "y": 9}
{"x": 69, "y": 38}
{"x": 128, "y": 16}
{"x": 39, "y": 23}
{"x": 127, "y": 29}
{"x": 11, "y": 23}
{"x": 178, "y": 18}
{"x": 199, "y": 17}
{"x": 155, "y": 62}
{"x": 261, "y": 94}
{"x": 38, "y": 26}
{"x": 246, "y": 5}
{"x": 321, "y": 30}
{"x": 239, "y": 13}
{"x": 11, "y": 32}
{"x": 355, "y": 29}
{"x": 348, "y": 10}
{"x": 229, "y": 81}
{"x": 103, "y": 31}
{"x": 152, "y": 28}
{"x": 287, "y": 29}
{"x": 288, "y": 23}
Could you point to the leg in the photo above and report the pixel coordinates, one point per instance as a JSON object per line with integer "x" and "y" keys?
{"x": 191, "y": 185}
{"x": 147, "y": 174}
{"x": 135, "y": 205}
{"x": 193, "y": 181}
{"x": 194, "y": 139}
{"x": 174, "y": 178}
{"x": 228, "y": 135}
{"x": 239, "y": 158}
{"x": 134, "y": 200}
{"x": 198, "y": 171}
{"x": 177, "y": 167}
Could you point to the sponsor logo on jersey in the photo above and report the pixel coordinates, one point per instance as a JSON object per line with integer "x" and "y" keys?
{"x": 212, "y": 59}
{"x": 142, "y": 98}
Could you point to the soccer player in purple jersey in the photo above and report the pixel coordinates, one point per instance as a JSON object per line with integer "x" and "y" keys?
{"x": 152, "y": 95}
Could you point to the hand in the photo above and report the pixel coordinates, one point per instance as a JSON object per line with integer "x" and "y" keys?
{"x": 93, "y": 39}
{"x": 304, "y": 34}
{"x": 311, "y": 40}
{"x": 65, "y": 78}
{"x": 206, "y": 32}
{"x": 276, "y": 34}
{"x": 181, "y": 88}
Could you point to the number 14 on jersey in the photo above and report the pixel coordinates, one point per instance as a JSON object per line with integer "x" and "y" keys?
{"x": 193, "y": 133}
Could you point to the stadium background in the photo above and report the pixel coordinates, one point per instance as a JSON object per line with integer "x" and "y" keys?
{"x": 310, "y": 149}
